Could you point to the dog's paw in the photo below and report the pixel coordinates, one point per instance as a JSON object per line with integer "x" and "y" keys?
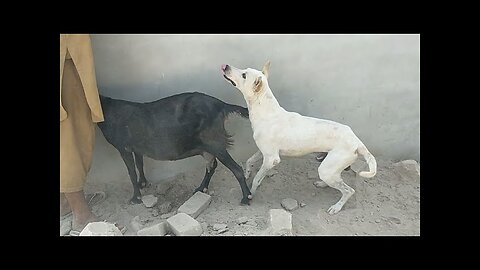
{"x": 320, "y": 184}
{"x": 334, "y": 209}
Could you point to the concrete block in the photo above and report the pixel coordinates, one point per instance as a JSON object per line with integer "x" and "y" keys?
{"x": 184, "y": 225}
{"x": 280, "y": 222}
{"x": 100, "y": 229}
{"x": 196, "y": 204}
{"x": 159, "y": 229}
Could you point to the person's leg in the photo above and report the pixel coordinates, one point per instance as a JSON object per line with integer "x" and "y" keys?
{"x": 64, "y": 207}
{"x": 77, "y": 137}
{"x": 82, "y": 215}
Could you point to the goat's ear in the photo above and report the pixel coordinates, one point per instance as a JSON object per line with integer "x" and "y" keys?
{"x": 265, "y": 68}
{"x": 257, "y": 85}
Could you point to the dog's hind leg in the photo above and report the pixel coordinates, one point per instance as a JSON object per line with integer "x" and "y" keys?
{"x": 209, "y": 171}
{"x": 250, "y": 162}
{"x": 130, "y": 163}
{"x": 329, "y": 172}
{"x": 142, "y": 181}
{"x": 269, "y": 161}
{"x": 322, "y": 155}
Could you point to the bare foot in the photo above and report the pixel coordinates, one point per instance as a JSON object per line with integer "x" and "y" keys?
{"x": 79, "y": 223}
{"x": 64, "y": 207}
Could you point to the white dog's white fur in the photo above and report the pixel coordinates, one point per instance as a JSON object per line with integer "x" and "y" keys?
{"x": 278, "y": 132}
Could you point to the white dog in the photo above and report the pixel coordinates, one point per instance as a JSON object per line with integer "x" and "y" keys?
{"x": 278, "y": 132}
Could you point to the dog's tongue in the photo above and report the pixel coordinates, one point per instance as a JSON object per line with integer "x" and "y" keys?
{"x": 223, "y": 67}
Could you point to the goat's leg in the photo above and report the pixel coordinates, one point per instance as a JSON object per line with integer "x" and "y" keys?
{"x": 142, "y": 181}
{"x": 209, "y": 171}
{"x": 237, "y": 170}
{"x": 130, "y": 163}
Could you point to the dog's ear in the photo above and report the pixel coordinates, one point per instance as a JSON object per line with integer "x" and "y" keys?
{"x": 257, "y": 85}
{"x": 265, "y": 68}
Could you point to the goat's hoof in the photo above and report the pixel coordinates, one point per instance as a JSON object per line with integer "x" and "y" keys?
{"x": 135, "y": 200}
{"x": 200, "y": 189}
{"x": 245, "y": 201}
{"x": 321, "y": 156}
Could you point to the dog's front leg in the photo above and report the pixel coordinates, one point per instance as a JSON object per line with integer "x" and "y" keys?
{"x": 268, "y": 163}
{"x": 250, "y": 162}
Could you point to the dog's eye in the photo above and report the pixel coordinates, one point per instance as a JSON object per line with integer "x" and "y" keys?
{"x": 244, "y": 75}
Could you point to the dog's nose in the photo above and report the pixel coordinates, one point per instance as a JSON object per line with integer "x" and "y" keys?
{"x": 224, "y": 67}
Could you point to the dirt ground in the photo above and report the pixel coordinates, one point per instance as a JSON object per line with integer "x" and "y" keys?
{"x": 388, "y": 204}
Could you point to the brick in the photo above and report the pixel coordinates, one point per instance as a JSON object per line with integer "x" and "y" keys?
{"x": 100, "y": 229}
{"x": 196, "y": 204}
{"x": 184, "y": 225}
{"x": 280, "y": 222}
{"x": 159, "y": 229}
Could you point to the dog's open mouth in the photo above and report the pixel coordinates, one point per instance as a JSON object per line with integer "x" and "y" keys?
{"x": 228, "y": 79}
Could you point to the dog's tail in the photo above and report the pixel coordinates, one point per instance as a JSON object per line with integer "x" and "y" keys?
{"x": 372, "y": 163}
{"x": 230, "y": 108}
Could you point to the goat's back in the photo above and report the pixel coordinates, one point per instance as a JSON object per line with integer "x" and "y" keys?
{"x": 166, "y": 129}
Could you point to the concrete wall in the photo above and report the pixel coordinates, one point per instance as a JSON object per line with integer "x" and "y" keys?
{"x": 369, "y": 82}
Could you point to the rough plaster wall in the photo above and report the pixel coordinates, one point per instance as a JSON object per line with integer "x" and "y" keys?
{"x": 369, "y": 82}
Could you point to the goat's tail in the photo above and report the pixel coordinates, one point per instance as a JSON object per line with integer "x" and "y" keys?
{"x": 372, "y": 163}
{"x": 230, "y": 108}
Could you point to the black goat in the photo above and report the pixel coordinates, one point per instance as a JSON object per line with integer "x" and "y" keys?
{"x": 172, "y": 128}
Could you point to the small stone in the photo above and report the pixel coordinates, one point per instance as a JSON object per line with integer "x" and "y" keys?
{"x": 211, "y": 192}
{"x": 155, "y": 213}
{"x": 289, "y": 204}
{"x": 302, "y": 204}
{"x": 149, "y": 200}
{"x": 242, "y": 220}
{"x": 395, "y": 220}
{"x": 164, "y": 208}
{"x": 222, "y": 230}
{"x": 217, "y": 227}
{"x": 377, "y": 221}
